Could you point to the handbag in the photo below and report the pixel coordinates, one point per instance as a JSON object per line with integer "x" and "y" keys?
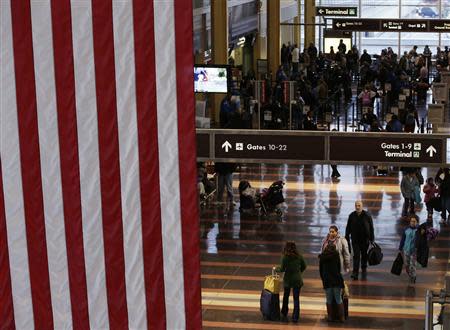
{"x": 345, "y": 291}
{"x": 397, "y": 266}
{"x": 272, "y": 283}
{"x": 374, "y": 255}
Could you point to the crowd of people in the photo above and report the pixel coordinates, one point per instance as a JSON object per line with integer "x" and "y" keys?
{"x": 321, "y": 78}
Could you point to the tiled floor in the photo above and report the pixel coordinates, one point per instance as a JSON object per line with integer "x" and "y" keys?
{"x": 238, "y": 250}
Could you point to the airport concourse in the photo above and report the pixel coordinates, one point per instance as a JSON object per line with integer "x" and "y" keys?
{"x": 323, "y": 149}
{"x": 225, "y": 164}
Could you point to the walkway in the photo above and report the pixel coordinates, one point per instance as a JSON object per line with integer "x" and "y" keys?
{"x": 237, "y": 251}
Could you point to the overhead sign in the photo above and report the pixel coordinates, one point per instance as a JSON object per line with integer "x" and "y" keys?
{"x": 404, "y": 25}
{"x": 383, "y": 25}
{"x": 336, "y": 11}
{"x": 322, "y": 147}
{"x": 387, "y": 149}
{"x": 258, "y": 146}
{"x": 439, "y": 25}
{"x": 350, "y": 24}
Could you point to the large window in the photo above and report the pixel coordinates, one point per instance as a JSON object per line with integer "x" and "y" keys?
{"x": 408, "y": 9}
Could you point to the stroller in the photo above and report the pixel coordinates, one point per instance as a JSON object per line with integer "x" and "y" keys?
{"x": 267, "y": 201}
{"x": 206, "y": 185}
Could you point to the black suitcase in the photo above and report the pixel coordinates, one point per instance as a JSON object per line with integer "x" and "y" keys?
{"x": 270, "y": 305}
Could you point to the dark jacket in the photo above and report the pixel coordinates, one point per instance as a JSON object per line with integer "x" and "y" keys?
{"x": 330, "y": 270}
{"x": 359, "y": 227}
{"x": 225, "y": 168}
{"x": 293, "y": 267}
{"x": 444, "y": 187}
{"x": 422, "y": 245}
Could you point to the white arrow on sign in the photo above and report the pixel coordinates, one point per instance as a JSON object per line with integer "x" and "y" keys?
{"x": 226, "y": 145}
{"x": 321, "y": 11}
{"x": 431, "y": 150}
{"x": 338, "y": 24}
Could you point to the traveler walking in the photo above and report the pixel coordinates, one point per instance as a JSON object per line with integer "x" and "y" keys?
{"x": 341, "y": 245}
{"x": 409, "y": 250}
{"x": 360, "y": 230}
{"x": 293, "y": 265}
{"x": 407, "y": 187}
{"x": 225, "y": 181}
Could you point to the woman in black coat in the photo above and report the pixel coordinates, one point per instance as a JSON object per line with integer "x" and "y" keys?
{"x": 330, "y": 273}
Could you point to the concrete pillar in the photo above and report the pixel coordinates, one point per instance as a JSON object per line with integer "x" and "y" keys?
{"x": 310, "y": 18}
{"x": 219, "y": 32}
{"x": 273, "y": 35}
{"x": 296, "y": 29}
{"x": 259, "y": 46}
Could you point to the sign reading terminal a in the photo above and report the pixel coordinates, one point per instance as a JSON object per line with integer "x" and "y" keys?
{"x": 336, "y": 11}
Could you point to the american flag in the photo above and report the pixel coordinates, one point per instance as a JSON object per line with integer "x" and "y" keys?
{"x": 98, "y": 201}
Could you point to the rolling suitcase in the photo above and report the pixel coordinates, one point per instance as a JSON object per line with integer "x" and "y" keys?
{"x": 345, "y": 294}
{"x": 270, "y": 305}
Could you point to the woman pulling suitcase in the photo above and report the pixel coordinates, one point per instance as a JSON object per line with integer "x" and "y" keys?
{"x": 293, "y": 265}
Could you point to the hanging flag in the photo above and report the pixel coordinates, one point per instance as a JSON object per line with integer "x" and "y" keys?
{"x": 98, "y": 201}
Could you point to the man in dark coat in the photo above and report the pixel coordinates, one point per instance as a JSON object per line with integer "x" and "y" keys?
{"x": 360, "y": 229}
{"x": 225, "y": 181}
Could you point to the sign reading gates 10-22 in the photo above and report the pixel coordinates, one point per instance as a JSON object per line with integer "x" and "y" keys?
{"x": 389, "y": 149}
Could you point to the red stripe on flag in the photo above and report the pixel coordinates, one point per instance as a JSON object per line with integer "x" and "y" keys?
{"x": 187, "y": 160}
{"x": 6, "y": 300}
{"x": 109, "y": 163}
{"x": 70, "y": 172}
{"x": 30, "y": 164}
{"x": 144, "y": 45}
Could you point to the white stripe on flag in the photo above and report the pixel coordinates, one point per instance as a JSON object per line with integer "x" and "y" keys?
{"x": 129, "y": 162}
{"x": 164, "y": 23}
{"x": 50, "y": 163}
{"x": 12, "y": 179}
{"x": 89, "y": 163}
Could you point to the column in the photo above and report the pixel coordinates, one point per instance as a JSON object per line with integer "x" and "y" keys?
{"x": 273, "y": 35}
{"x": 219, "y": 40}
{"x": 310, "y": 18}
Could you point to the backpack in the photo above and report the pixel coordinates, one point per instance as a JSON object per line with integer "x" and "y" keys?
{"x": 374, "y": 255}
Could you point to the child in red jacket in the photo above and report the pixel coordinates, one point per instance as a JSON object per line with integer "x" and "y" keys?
{"x": 431, "y": 191}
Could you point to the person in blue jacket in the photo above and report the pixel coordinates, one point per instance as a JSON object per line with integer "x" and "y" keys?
{"x": 408, "y": 249}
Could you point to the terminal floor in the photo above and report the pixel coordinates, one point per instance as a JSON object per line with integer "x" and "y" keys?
{"x": 238, "y": 250}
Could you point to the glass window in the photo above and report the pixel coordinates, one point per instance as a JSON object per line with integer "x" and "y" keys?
{"x": 408, "y": 9}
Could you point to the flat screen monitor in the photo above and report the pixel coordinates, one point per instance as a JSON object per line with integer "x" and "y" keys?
{"x": 211, "y": 78}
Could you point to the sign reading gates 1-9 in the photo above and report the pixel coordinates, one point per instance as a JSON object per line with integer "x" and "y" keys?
{"x": 258, "y": 146}
{"x": 389, "y": 149}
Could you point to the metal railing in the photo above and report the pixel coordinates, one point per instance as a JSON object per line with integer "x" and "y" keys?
{"x": 442, "y": 298}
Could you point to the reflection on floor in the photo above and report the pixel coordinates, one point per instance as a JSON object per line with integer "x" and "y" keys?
{"x": 238, "y": 250}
